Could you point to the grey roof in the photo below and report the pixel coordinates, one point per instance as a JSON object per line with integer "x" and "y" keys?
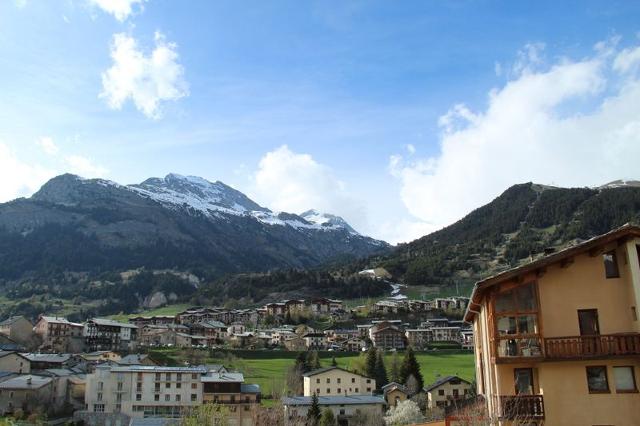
{"x": 6, "y": 374}
{"x": 13, "y": 319}
{"x": 60, "y": 320}
{"x": 132, "y": 359}
{"x": 213, "y": 377}
{"x": 59, "y": 372}
{"x": 442, "y": 381}
{"x": 50, "y": 358}
{"x": 335, "y": 400}
{"x": 112, "y": 323}
{"x": 389, "y": 386}
{"x": 27, "y": 381}
{"x": 249, "y": 388}
{"x": 325, "y": 369}
{"x": 153, "y": 421}
{"x": 213, "y": 324}
{"x": 153, "y": 369}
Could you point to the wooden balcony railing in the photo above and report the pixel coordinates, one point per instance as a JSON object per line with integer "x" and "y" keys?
{"x": 603, "y": 345}
{"x": 521, "y": 407}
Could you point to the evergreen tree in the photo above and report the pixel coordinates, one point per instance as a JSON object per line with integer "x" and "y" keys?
{"x": 313, "y": 415}
{"x": 334, "y": 363}
{"x": 380, "y": 371}
{"x": 394, "y": 369}
{"x": 410, "y": 367}
{"x": 313, "y": 361}
{"x": 327, "y": 419}
{"x": 301, "y": 362}
{"x": 370, "y": 365}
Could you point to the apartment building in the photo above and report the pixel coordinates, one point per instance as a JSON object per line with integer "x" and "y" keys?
{"x": 418, "y": 338}
{"x": 325, "y": 306}
{"x": 28, "y": 393}
{"x": 387, "y": 336}
{"x": 59, "y": 335}
{"x": 343, "y": 407}
{"x": 129, "y": 392}
{"x": 558, "y": 339}
{"x": 331, "y": 381}
{"x": 110, "y": 335}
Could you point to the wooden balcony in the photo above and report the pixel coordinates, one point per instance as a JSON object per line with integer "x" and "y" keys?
{"x": 521, "y": 407}
{"x": 597, "y": 346}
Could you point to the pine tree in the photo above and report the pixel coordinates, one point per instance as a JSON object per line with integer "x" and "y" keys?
{"x": 301, "y": 362}
{"x": 394, "y": 369}
{"x": 410, "y": 367}
{"x": 334, "y": 363}
{"x": 313, "y": 415}
{"x": 313, "y": 360}
{"x": 380, "y": 371}
{"x": 370, "y": 365}
{"x": 327, "y": 419}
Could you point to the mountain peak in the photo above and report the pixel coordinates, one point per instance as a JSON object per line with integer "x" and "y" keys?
{"x": 326, "y": 220}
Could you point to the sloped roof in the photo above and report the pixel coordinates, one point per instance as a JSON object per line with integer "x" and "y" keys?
{"x": 325, "y": 369}
{"x": 13, "y": 319}
{"x": 335, "y": 400}
{"x": 442, "y": 381}
{"x": 27, "y": 381}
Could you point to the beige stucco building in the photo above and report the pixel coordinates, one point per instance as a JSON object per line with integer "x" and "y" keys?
{"x": 558, "y": 340}
{"x": 17, "y": 328}
{"x": 343, "y": 407}
{"x": 333, "y": 381}
{"x": 446, "y": 391}
{"x": 14, "y": 362}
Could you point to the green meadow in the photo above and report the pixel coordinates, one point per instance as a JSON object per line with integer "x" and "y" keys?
{"x": 269, "y": 368}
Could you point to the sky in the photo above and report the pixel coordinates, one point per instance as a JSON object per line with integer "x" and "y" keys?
{"x": 401, "y": 117}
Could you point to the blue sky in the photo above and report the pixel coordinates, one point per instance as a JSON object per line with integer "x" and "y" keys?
{"x": 399, "y": 116}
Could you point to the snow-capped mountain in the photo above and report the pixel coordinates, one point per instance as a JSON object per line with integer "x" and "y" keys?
{"x": 175, "y": 221}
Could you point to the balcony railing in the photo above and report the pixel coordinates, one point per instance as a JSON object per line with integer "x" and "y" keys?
{"x": 521, "y": 407}
{"x": 596, "y": 346}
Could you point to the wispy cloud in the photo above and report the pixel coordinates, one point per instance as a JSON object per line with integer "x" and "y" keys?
{"x": 19, "y": 178}
{"x": 47, "y": 145}
{"x": 147, "y": 80}
{"x": 572, "y": 123}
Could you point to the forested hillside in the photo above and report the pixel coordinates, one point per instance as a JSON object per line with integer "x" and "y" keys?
{"x": 522, "y": 222}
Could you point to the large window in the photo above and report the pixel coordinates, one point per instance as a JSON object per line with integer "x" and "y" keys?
{"x": 625, "y": 379}
{"x": 597, "y": 379}
{"x": 516, "y": 315}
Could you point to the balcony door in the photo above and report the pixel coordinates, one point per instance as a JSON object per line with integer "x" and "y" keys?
{"x": 589, "y": 331}
{"x": 523, "y": 378}
{"x": 588, "y": 321}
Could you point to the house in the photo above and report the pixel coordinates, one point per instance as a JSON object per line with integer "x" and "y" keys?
{"x": 331, "y": 381}
{"x": 106, "y": 334}
{"x": 557, "y": 340}
{"x": 59, "y": 335}
{"x": 41, "y": 361}
{"x": 445, "y": 334}
{"x": 296, "y": 343}
{"x": 385, "y": 335}
{"x": 122, "y": 393}
{"x": 387, "y": 307}
{"x": 160, "y": 335}
{"x": 28, "y": 393}
{"x": 136, "y": 359}
{"x": 325, "y": 306}
{"x": 14, "y": 362}
{"x": 355, "y": 344}
{"x": 215, "y": 331}
{"x": 466, "y": 339}
{"x": 236, "y": 328}
{"x": 394, "y": 393}
{"x": 141, "y": 321}
{"x": 446, "y": 392}
{"x": 315, "y": 341}
{"x": 18, "y": 329}
{"x": 343, "y": 407}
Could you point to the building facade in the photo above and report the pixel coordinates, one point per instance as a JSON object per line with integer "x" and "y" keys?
{"x": 343, "y": 407}
{"x": 333, "y": 381}
{"x": 59, "y": 335}
{"x": 558, "y": 339}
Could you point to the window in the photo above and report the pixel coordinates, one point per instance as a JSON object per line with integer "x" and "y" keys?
{"x": 357, "y": 390}
{"x": 368, "y": 389}
{"x": 178, "y": 385}
{"x": 167, "y": 385}
{"x": 138, "y": 397}
{"x": 625, "y": 379}
{"x": 194, "y": 386}
{"x": 194, "y": 397}
{"x": 100, "y": 385}
{"x": 456, "y": 393}
{"x": 194, "y": 376}
{"x": 353, "y": 380}
{"x": 441, "y": 392}
{"x": 178, "y": 376}
{"x": 100, "y": 396}
{"x": 328, "y": 390}
{"x": 157, "y": 376}
{"x": 120, "y": 384}
{"x": 167, "y": 397}
{"x": 167, "y": 376}
{"x": 611, "y": 264}
{"x": 368, "y": 381}
{"x": 317, "y": 380}
{"x": 597, "y": 379}
{"x": 338, "y": 379}
{"x": 516, "y": 333}
{"x": 339, "y": 390}
{"x": 156, "y": 397}
{"x": 328, "y": 380}
{"x": 178, "y": 398}
{"x": 98, "y": 408}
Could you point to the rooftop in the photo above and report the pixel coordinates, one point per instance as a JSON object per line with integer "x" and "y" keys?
{"x": 222, "y": 377}
{"x": 60, "y": 320}
{"x": 111, "y": 323}
{"x": 442, "y": 381}
{"x": 50, "y": 358}
{"x": 27, "y": 381}
{"x": 335, "y": 400}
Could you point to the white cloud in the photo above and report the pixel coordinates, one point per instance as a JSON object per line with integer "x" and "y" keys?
{"x": 19, "y": 178}
{"x": 120, "y": 9}
{"x": 574, "y": 123}
{"x": 84, "y": 167}
{"x": 146, "y": 79}
{"x": 47, "y": 145}
{"x": 292, "y": 182}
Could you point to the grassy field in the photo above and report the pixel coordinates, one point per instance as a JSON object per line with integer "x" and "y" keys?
{"x": 165, "y": 310}
{"x": 269, "y": 368}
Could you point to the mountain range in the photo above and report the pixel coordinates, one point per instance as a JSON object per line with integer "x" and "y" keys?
{"x": 181, "y": 222}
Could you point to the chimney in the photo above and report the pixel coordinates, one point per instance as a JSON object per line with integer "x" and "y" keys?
{"x": 29, "y": 380}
